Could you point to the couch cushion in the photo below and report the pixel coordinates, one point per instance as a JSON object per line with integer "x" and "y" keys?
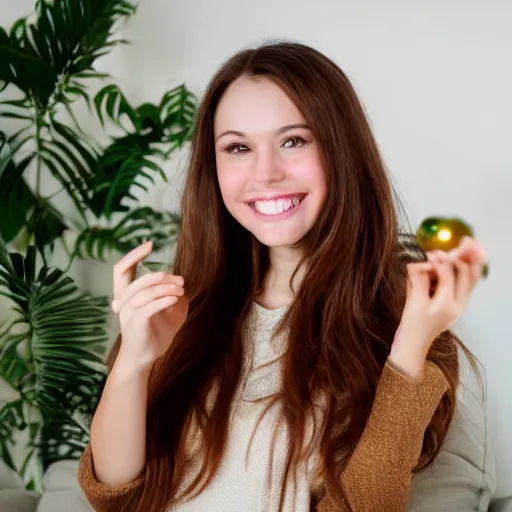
{"x": 462, "y": 477}
{"x": 8, "y": 478}
{"x": 501, "y": 505}
{"x": 61, "y": 490}
{"x": 15, "y": 500}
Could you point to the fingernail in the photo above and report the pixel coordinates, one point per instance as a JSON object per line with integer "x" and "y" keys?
{"x": 115, "y": 304}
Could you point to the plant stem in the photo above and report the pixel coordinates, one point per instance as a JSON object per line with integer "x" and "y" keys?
{"x": 38, "y": 149}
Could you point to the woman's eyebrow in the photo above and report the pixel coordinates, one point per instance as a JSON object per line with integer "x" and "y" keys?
{"x": 280, "y": 131}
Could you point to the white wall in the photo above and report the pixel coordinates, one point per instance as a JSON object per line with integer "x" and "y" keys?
{"x": 436, "y": 79}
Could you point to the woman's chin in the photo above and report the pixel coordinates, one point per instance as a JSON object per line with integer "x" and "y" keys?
{"x": 279, "y": 239}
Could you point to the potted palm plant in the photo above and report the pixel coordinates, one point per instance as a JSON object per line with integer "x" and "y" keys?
{"x": 53, "y": 338}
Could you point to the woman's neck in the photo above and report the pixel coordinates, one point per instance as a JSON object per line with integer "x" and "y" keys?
{"x": 277, "y": 290}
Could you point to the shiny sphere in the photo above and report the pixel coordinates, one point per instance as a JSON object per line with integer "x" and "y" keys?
{"x": 444, "y": 234}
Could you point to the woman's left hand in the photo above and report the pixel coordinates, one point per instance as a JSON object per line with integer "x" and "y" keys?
{"x": 437, "y": 293}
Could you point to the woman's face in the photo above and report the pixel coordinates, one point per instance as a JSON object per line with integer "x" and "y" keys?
{"x": 268, "y": 162}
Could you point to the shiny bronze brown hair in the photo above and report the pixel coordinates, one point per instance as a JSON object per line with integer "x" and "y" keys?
{"x": 341, "y": 324}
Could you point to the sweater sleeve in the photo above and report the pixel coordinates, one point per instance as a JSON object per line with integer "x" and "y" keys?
{"x": 104, "y": 498}
{"x": 378, "y": 476}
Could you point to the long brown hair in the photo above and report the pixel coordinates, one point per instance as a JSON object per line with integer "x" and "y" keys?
{"x": 339, "y": 329}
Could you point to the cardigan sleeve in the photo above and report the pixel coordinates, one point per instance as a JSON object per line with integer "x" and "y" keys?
{"x": 378, "y": 475}
{"x": 101, "y": 497}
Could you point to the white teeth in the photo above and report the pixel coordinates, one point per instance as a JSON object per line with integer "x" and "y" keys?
{"x": 276, "y": 206}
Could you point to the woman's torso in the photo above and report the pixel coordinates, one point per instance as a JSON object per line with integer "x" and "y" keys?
{"x": 251, "y": 473}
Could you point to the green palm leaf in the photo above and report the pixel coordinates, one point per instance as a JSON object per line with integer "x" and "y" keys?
{"x": 112, "y": 102}
{"x": 51, "y": 353}
{"x": 12, "y": 419}
{"x": 177, "y": 111}
{"x": 16, "y": 197}
{"x": 136, "y": 227}
{"x": 62, "y": 437}
{"x": 33, "y": 76}
{"x": 51, "y": 349}
{"x": 47, "y": 59}
{"x": 130, "y": 161}
{"x": 20, "y": 207}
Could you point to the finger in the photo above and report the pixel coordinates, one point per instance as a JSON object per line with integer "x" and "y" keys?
{"x": 445, "y": 289}
{"x": 124, "y": 269}
{"x": 419, "y": 278}
{"x": 463, "y": 281}
{"x": 477, "y": 272}
{"x": 158, "y": 305}
{"x": 474, "y": 254}
{"x": 151, "y": 279}
{"x": 471, "y": 251}
{"x": 419, "y": 266}
{"x": 150, "y": 294}
{"x": 466, "y": 244}
{"x": 436, "y": 256}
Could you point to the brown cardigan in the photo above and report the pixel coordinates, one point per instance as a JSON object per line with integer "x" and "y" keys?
{"x": 377, "y": 477}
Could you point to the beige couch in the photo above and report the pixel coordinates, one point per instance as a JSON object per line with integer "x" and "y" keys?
{"x": 462, "y": 479}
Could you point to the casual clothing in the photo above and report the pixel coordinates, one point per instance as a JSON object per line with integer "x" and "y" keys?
{"x": 378, "y": 476}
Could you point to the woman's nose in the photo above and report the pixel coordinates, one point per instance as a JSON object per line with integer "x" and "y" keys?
{"x": 268, "y": 167}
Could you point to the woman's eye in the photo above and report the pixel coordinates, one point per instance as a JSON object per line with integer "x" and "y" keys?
{"x": 294, "y": 142}
{"x": 237, "y": 149}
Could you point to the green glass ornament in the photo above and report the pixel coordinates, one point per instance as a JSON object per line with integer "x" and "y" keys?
{"x": 445, "y": 234}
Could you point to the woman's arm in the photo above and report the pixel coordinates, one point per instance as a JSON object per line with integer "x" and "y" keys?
{"x": 118, "y": 430}
{"x": 151, "y": 310}
{"x": 101, "y": 497}
{"x": 379, "y": 473}
{"x": 111, "y": 465}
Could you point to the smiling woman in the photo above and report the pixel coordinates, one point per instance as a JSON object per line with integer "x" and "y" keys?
{"x": 268, "y": 162}
{"x": 294, "y": 362}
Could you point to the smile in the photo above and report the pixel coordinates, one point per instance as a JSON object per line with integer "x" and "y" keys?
{"x": 277, "y": 206}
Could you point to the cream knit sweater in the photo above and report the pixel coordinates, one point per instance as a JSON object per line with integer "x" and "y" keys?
{"x": 251, "y": 474}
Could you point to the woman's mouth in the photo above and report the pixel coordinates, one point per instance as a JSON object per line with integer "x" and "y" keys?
{"x": 277, "y": 206}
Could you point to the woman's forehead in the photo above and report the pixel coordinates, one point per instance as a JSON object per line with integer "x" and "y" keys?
{"x": 255, "y": 105}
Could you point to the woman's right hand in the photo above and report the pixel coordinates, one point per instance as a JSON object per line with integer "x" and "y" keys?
{"x": 151, "y": 310}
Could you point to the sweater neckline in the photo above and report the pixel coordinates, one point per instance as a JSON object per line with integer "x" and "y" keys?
{"x": 263, "y": 311}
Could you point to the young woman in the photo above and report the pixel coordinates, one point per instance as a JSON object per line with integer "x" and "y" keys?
{"x": 293, "y": 361}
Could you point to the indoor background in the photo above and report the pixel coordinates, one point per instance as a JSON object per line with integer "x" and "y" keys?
{"x": 436, "y": 80}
